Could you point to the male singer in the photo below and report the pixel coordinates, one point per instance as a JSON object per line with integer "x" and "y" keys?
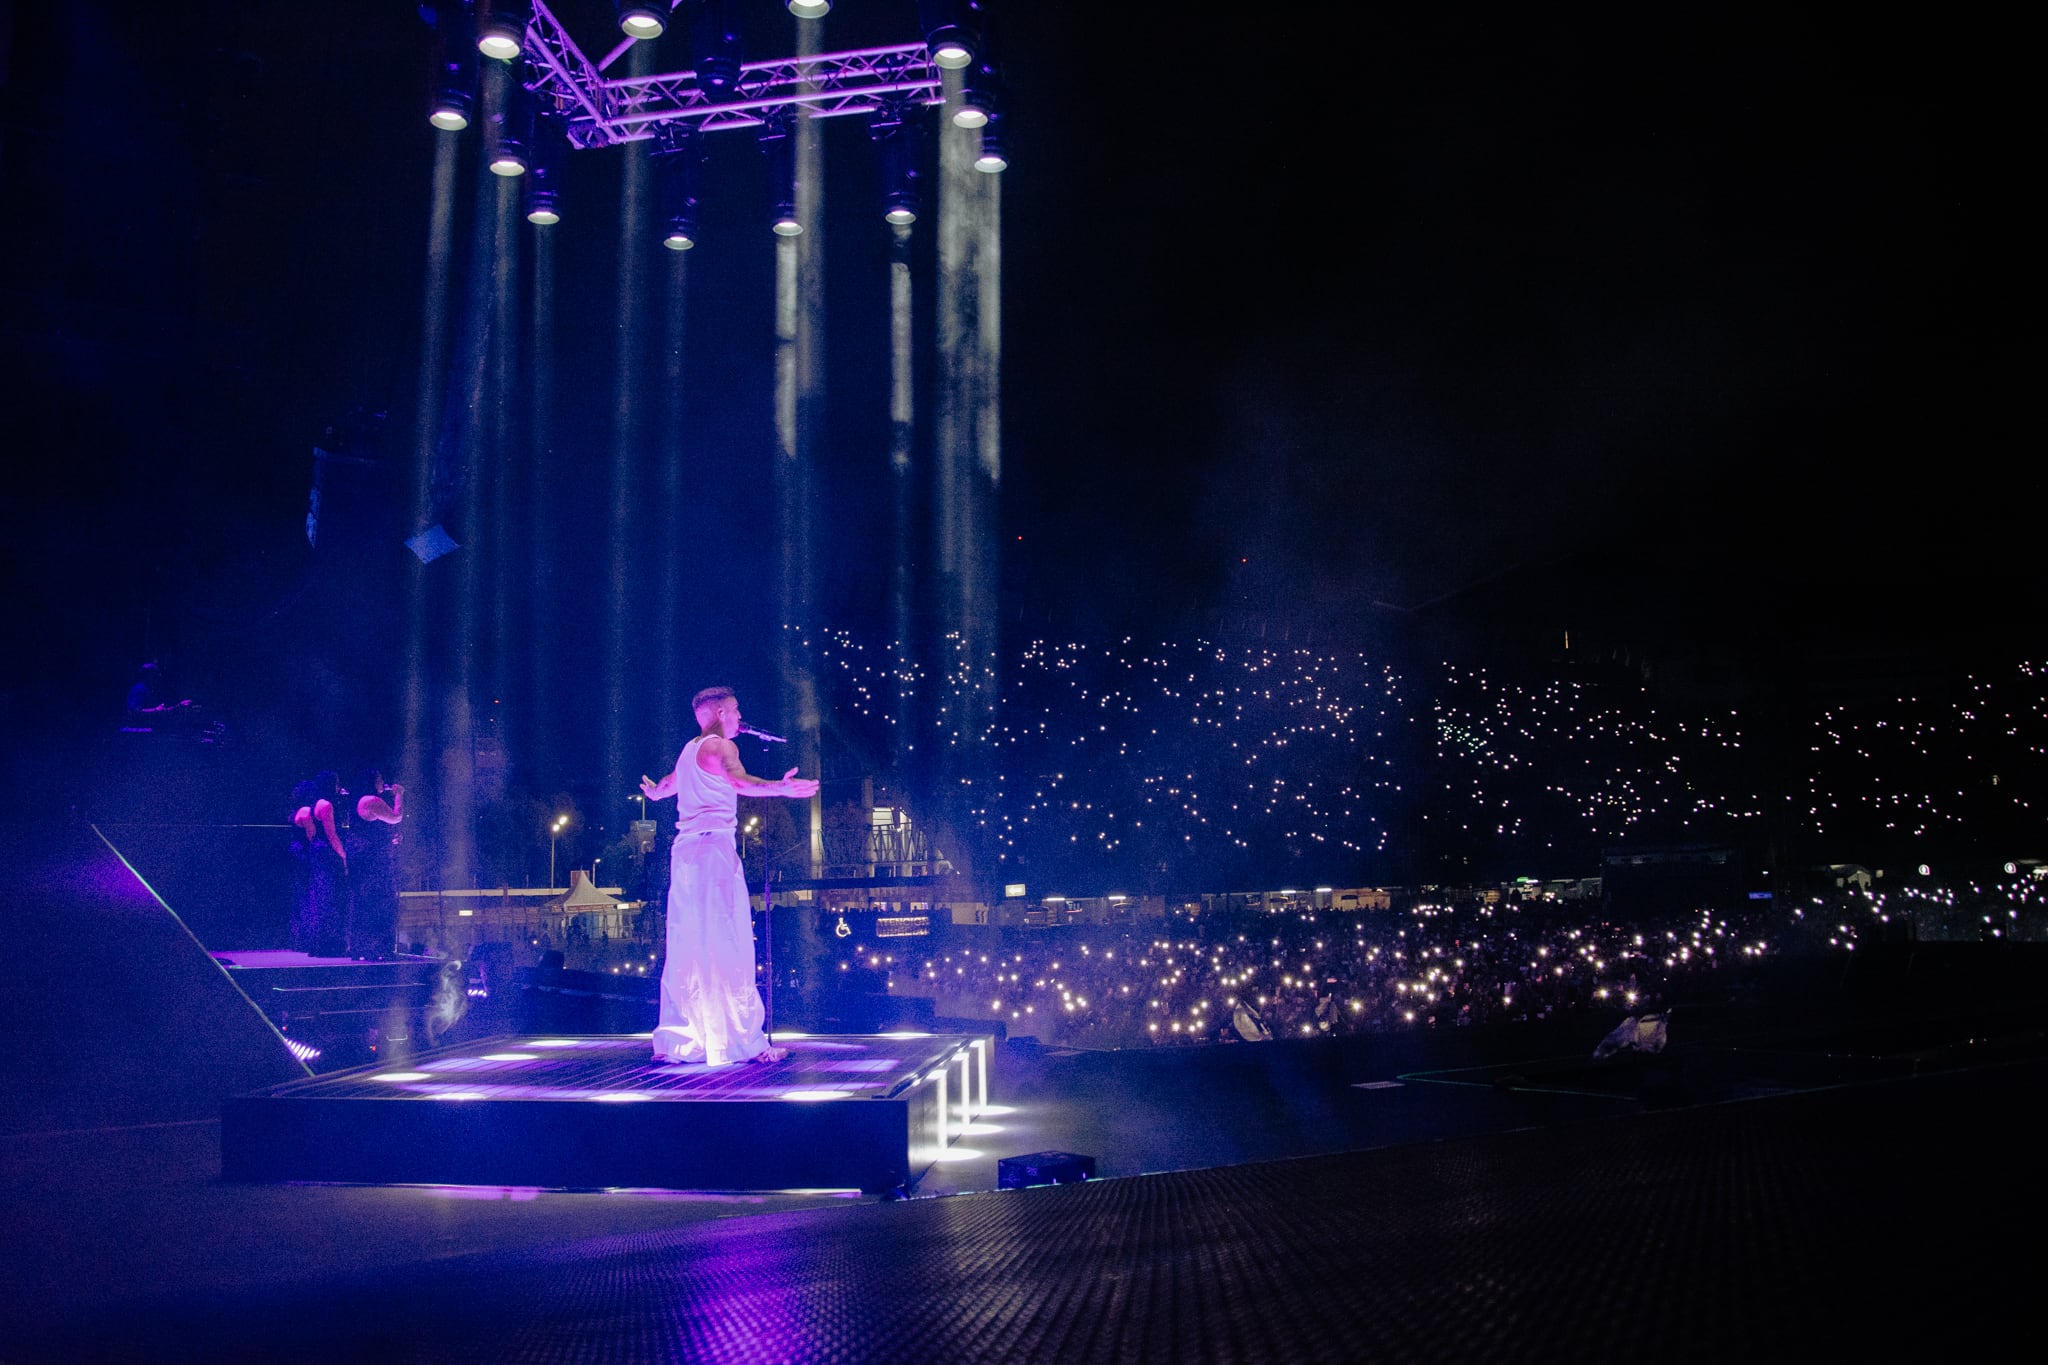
{"x": 710, "y": 1009}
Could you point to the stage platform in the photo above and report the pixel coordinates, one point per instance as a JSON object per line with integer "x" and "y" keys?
{"x": 864, "y": 1112}
{"x": 338, "y": 1011}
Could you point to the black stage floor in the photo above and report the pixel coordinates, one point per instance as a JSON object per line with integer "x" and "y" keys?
{"x": 862, "y": 1112}
{"x": 1890, "y": 1218}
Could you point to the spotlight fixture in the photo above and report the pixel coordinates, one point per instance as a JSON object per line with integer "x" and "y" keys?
{"x": 639, "y": 20}
{"x": 810, "y": 9}
{"x": 512, "y": 143}
{"x": 952, "y": 31}
{"x": 454, "y": 68}
{"x": 778, "y": 144}
{"x": 715, "y": 48}
{"x": 451, "y": 111}
{"x": 544, "y": 178}
{"x": 895, "y": 139}
{"x": 679, "y": 172}
{"x": 502, "y": 34}
{"x": 977, "y": 96}
{"x": 994, "y": 157}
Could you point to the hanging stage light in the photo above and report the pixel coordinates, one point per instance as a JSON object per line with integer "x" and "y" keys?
{"x": 977, "y": 95}
{"x": 454, "y": 68}
{"x": 502, "y": 34}
{"x": 639, "y": 20}
{"x": 778, "y": 144}
{"x": 895, "y": 139}
{"x": 994, "y": 156}
{"x": 952, "y": 31}
{"x": 679, "y": 171}
{"x": 544, "y": 180}
{"x": 715, "y": 48}
{"x": 810, "y": 9}
{"x": 512, "y": 146}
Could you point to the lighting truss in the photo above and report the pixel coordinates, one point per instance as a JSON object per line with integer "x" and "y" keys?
{"x": 602, "y": 112}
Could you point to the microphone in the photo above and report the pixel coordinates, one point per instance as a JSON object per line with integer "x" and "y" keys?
{"x": 762, "y": 734}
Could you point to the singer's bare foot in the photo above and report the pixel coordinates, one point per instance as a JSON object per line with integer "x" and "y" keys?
{"x": 772, "y": 1054}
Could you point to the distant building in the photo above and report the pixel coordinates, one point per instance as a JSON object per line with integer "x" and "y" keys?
{"x": 1656, "y": 878}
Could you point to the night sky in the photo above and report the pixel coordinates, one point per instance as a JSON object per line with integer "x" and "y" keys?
{"x": 1678, "y": 327}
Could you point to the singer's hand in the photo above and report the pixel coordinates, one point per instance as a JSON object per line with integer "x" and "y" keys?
{"x": 647, "y": 786}
{"x": 792, "y": 785}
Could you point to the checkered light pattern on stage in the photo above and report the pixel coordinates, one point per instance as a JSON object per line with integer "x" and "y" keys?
{"x": 620, "y": 1069}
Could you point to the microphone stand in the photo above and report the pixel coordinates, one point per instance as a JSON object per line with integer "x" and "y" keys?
{"x": 767, "y": 939}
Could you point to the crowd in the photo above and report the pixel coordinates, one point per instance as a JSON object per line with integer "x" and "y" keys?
{"x": 1210, "y": 976}
{"x": 1923, "y": 906}
{"x": 1193, "y": 763}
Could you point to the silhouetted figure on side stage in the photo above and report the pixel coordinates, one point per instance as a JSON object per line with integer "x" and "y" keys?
{"x": 371, "y": 842}
{"x": 150, "y": 710}
{"x": 325, "y": 916}
{"x": 301, "y": 926}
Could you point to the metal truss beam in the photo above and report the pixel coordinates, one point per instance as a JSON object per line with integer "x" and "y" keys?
{"x": 602, "y": 112}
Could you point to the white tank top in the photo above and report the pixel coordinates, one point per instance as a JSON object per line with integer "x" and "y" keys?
{"x": 704, "y": 803}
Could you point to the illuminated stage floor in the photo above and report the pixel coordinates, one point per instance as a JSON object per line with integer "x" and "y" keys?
{"x": 864, "y": 1112}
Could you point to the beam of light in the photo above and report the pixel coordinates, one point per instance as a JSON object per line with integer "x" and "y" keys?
{"x": 508, "y": 570}
{"x": 670, "y": 598}
{"x": 902, "y": 434}
{"x": 799, "y": 392}
{"x": 464, "y": 441}
{"x": 966, "y": 444}
{"x": 622, "y": 659}
{"x": 433, "y": 360}
{"x": 540, "y": 544}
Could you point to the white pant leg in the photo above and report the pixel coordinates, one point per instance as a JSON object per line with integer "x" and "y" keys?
{"x": 710, "y": 1008}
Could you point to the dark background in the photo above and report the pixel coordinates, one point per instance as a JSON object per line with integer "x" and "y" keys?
{"x": 1419, "y": 331}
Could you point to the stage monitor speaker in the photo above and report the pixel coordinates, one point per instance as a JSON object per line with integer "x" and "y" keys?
{"x": 112, "y": 1012}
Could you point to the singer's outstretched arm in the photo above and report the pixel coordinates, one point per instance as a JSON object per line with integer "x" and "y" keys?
{"x": 720, "y": 755}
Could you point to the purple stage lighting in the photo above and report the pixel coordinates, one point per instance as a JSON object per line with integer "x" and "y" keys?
{"x": 543, "y": 200}
{"x": 994, "y": 156}
{"x": 679, "y": 171}
{"x": 454, "y": 69}
{"x": 778, "y": 144}
{"x": 896, "y": 148}
{"x": 715, "y": 49}
{"x": 512, "y": 142}
{"x": 952, "y": 31}
{"x": 502, "y": 32}
{"x": 544, "y": 178}
{"x": 977, "y": 96}
{"x": 638, "y": 20}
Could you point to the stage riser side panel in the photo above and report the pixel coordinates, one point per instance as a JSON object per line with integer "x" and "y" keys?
{"x": 112, "y": 1013}
{"x": 845, "y": 1144}
{"x": 231, "y": 884}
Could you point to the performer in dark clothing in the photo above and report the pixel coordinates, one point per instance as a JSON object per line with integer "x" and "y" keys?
{"x": 327, "y": 891}
{"x": 149, "y": 708}
{"x": 303, "y": 797}
{"x": 371, "y": 841}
